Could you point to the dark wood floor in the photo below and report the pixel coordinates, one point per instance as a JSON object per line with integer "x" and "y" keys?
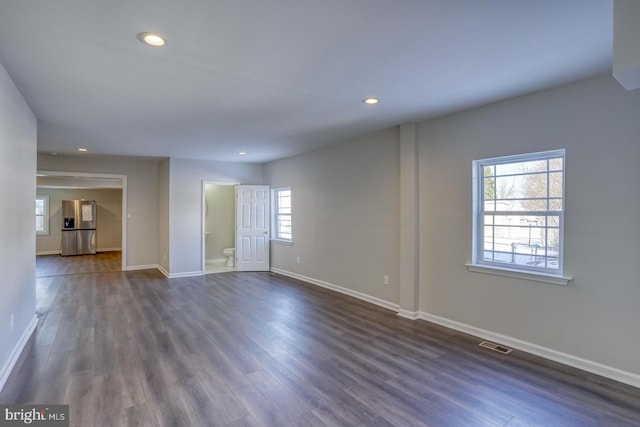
{"x": 252, "y": 349}
{"x": 56, "y": 265}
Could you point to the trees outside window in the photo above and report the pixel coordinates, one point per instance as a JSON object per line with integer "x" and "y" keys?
{"x": 519, "y": 211}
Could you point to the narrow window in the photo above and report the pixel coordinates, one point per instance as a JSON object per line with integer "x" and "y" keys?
{"x": 519, "y": 212}
{"x": 281, "y": 216}
{"x": 42, "y": 215}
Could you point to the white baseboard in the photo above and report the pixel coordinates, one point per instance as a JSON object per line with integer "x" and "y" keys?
{"x": 411, "y": 315}
{"x": 142, "y": 267}
{"x": 342, "y": 290}
{"x": 57, "y": 252}
{"x": 185, "y": 274}
{"x": 17, "y": 351}
{"x": 109, "y": 250}
{"x": 163, "y": 271}
{"x": 547, "y": 353}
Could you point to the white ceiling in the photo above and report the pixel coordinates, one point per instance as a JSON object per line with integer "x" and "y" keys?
{"x": 276, "y": 78}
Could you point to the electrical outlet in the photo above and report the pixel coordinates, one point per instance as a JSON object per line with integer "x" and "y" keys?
{"x": 298, "y": 260}
{"x": 385, "y": 279}
{"x": 12, "y": 321}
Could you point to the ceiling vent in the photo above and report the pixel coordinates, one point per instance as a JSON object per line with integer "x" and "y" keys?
{"x": 495, "y": 347}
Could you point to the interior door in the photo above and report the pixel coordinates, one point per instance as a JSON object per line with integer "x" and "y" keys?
{"x": 252, "y": 227}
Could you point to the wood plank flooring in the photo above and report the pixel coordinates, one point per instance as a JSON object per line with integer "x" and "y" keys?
{"x": 253, "y": 349}
{"x": 56, "y": 265}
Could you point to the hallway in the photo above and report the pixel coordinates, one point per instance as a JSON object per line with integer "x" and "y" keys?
{"x": 56, "y": 265}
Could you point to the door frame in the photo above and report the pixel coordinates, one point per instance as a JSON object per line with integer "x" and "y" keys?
{"x": 90, "y": 175}
{"x": 203, "y": 225}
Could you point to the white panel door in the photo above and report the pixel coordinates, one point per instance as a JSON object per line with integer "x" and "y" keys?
{"x": 252, "y": 227}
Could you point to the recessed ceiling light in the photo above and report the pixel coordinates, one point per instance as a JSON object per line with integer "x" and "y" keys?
{"x": 371, "y": 101}
{"x": 152, "y": 39}
{"x": 242, "y": 153}
{"x": 82, "y": 149}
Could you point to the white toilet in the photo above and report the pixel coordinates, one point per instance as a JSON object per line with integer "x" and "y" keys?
{"x": 230, "y": 254}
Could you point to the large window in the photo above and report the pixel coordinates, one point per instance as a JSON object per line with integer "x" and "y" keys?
{"x": 42, "y": 214}
{"x": 281, "y": 217}
{"x": 519, "y": 212}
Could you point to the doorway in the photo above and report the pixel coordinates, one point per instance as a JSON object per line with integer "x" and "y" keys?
{"x": 219, "y": 225}
{"x": 68, "y": 184}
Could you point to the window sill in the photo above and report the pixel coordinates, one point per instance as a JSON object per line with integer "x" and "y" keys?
{"x": 282, "y": 242}
{"x": 519, "y": 274}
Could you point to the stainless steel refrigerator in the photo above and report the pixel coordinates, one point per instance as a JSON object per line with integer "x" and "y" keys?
{"x": 78, "y": 227}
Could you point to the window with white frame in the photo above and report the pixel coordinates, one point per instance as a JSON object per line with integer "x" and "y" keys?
{"x": 281, "y": 214}
{"x": 519, "y": 212}
{"x": 42, "y": 215}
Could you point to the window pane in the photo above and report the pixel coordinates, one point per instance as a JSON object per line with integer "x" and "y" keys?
{"x": 282, "y": 214}
{"x": 489, "y": 188}
{"x": 553, "y": 221}
{"x": 284, "y": 227}
{"x": 555, "y": 204}
{"x": 516, "y": 189}
{"x": 553, "y": 239}
{"x": 39, "y": 207}
{"x": 520, "y": 221}
{"x": 507, "y": 187}
{"x": 534, "y": 185}
{"x": 530, "y": 205}
{"x": 556, "y": 164}
{"x": 490, "y": 205}
{"x": 39, "y": 223}
{"x": 555, "y": 184}
{"x": 520, "y": 167}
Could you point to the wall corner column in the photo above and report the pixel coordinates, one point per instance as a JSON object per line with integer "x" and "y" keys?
{"x": 409, "y": 222}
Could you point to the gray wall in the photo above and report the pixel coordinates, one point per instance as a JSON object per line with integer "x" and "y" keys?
{"x": 345, "y": 214}
{"x": 347, "y": 228}
{"x": 596, "y": 317}
{"x": 17, "y": 216}
{"x": 142, "y": 197}
{"x": 109, "y": 217}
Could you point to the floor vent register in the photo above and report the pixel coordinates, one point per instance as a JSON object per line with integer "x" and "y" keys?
{"x": 495, "y": 347}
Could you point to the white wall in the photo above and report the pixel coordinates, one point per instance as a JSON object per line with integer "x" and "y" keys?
{"x": 596, "y": 317}
{"x": 108, "y": 213}
{"x": 18, "y": 137}
{"x": 185, "y": 212}
{"x": 345, "y": 214}
{"x": 142, "y": 197}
